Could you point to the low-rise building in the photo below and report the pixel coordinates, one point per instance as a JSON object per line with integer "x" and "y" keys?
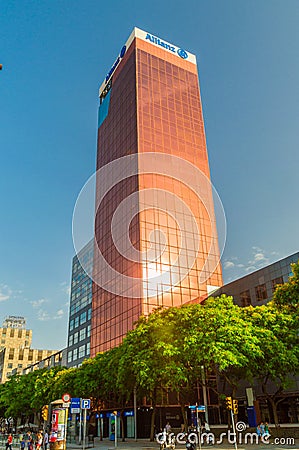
{"x": 257, "y": 288}
{"x": 57, "y": 359}
{"x": 15, "y": 351}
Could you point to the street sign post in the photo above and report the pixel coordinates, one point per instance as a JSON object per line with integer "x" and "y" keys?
{"x": 75, "y": 405}
{"x": 66, "y": 398}
{"x": 115, "y": 434}
{"x": 85, "y": 405}
{"x": 198, "y": 408}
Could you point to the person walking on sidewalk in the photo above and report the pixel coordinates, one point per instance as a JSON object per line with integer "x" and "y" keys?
{"x": 9, "y": 442}
{"x": 46, "y": 440}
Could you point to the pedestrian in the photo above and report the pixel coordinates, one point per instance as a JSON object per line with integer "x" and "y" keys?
{"x": 258, "y": 431}
{"x": 262, "y": 427}
{"x": 9, "y": 442}
{"x": 39, "y": 441}
{"x": 167, "y": 427}
{"x": 22, "y": 443}
{"x": 208, "y": 433}
{"x": 29, "y": 441}
{"x": 267, "y": 430}
{"x": 46, "y": 440}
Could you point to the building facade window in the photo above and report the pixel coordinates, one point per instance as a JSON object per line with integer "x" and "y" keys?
{"x": 245, "y": 298}
{"x": 82, "y": 317}
{"x": 81, "y": 351}
{"x": 71, "y": 339}
{"x": 69, "y": 356}
{"x": 261, "y": 292}
{"x": 275, "y": 282}
{"x": 75, "y": 354}
{"x": 82, "y": 334}
{"x": 76, "y": 337}
{"x": 88, "y": 349}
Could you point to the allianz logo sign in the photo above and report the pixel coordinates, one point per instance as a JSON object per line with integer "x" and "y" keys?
{"x": 121, "y": 55}
{"x": 154, "y": 40}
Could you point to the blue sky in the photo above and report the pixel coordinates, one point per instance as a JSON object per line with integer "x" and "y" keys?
{"x": 55, "y": 55}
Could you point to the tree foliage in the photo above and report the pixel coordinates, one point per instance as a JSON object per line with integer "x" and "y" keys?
{"x": 167, "y": 351}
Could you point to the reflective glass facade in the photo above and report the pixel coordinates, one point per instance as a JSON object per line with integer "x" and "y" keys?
{"x": 153, "y": 105}
{"x": 78, "y": 347}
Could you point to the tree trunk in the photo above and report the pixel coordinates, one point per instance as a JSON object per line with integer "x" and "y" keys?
{"x": 184, "y": 417}
{"x": 274, "y": 410}
{"x": 122, "y": 425}
{"x": 152, "y": 433}
{"x": 273, "y": 404}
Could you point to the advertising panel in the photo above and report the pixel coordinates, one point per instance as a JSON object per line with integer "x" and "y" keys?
{"x": 58, "y": 425}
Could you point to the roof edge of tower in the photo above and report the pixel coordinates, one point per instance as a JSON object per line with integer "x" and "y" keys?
{"x": 153, "y": 39}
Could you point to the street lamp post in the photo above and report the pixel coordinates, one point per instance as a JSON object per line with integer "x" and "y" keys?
{"x": 204, "y": 391}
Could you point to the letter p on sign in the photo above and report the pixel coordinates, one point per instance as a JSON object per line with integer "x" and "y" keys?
{"x": 85, "y": 403}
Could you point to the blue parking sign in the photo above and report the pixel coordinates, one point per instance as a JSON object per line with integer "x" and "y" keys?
{"x": 85, "y": 403}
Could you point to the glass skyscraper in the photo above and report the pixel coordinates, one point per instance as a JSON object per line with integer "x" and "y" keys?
{"x": 79, "y": 331}
{"x": 156, "y": 242}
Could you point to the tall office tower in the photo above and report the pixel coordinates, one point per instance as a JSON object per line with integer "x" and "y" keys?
{"x": 155, "y": 233}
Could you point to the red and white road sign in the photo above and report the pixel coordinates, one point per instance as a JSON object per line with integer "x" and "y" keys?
{"x": 66, "y": 398}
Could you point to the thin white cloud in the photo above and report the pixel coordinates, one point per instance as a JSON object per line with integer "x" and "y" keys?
{"x": 3, "y": 297}
{"x": 43, "y": 315}
{"x": 259, "y": 259}
{"x": 5, "y": 293}
{"x": 59, "y": 314}
{"x": 250, "y": 268}
{"x": 228, "y": 264}
{"x": 66, "y": 288}
{"x": 38, "y": 303}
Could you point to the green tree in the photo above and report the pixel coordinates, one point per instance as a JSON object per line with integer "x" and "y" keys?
{"x": 277, "y": 331}
{"x": 24, "y": 395}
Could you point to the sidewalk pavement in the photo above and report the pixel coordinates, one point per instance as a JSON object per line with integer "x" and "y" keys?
{"x": 145, "y": 444}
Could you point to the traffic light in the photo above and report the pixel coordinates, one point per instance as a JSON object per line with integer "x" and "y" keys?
{"x": 45, "y": 412}
{"x": 228, "y": 403}
{"x": 235, "y": 406}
